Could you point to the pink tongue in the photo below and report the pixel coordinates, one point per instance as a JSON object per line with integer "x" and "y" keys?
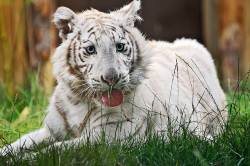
{"x": 112, "y": 99}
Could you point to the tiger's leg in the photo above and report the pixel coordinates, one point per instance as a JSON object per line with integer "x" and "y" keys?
{"x": 34, "y": 138}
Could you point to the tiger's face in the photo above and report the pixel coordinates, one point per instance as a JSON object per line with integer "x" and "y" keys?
{"x": 103, "y": 59}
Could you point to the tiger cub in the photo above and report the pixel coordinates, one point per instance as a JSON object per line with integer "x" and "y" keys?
{"x": 112, "y": 80}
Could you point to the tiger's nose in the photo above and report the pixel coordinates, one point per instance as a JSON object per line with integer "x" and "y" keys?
{"x": 111, "y": 78}
{"x": 109, "y": 81}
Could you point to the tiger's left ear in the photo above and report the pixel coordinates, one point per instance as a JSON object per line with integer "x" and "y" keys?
{"x": 127, "y": 15}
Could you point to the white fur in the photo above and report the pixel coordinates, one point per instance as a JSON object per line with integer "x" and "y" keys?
{"x": 177, "y": 85}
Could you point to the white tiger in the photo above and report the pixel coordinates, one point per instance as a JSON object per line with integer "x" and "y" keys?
{"x": 111, "y": 79}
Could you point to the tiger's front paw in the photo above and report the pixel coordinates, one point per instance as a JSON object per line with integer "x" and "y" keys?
{"x": 8, "y": 149}
{"x": 5, "y": 150}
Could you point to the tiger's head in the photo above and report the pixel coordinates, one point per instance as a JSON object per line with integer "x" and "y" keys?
{"x": 102, "y": 56}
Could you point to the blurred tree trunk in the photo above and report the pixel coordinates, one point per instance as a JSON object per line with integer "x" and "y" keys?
{"x": 13, "y": 53}
{"x": 226, "y": 32}
{"x": 28, "y": 39}
{"x": 231, "y": 33}
{"x": 42, "y": 38}
{"x": 246, "y": 47}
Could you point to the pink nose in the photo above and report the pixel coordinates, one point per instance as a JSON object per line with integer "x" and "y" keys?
{"x": 111, "y": 81}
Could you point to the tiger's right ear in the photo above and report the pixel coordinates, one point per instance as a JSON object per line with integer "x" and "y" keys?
{"x": 65, "y": 20}
{"x": 127, "y": 15}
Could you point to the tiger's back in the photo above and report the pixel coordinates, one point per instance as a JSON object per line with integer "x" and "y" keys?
{"x": 183, "y": 77}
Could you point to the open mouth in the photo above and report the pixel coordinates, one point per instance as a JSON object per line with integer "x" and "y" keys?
{"x": 112, "y": 98}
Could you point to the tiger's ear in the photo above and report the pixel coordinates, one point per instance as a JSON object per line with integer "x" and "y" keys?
{"x": 65, "y": 20}
{"x": 128, "y": 14}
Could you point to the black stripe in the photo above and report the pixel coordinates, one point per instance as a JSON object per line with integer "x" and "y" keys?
{"x": 91, "y": 29}
{"x": 61, "y": 111}
{"x": 91, "y": 66}
{"x": 124, "y": 76}
{"x": 81, "y": 57}
{"x": 73, "y": 101}
{"x": 135, "y": 61}
{"x": 63, "y": 115}
{"x": 113, "y": 28}
{"x": 113, "y": 37}
{"x": 81, "y": 66}
{"x": 136, "y": 64}
{"x": 129, "y": 53}
{"x": 74, "y": 51}
{"x": 95, "y": 80}
{"x": 91, "y": 34}
{"x": 125, "y": 63}
{"x": 132, "y": 42}
{"x": 71, "y": 69}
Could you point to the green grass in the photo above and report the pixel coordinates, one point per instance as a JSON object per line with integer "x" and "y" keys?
{"x": 33, "y": 99}
{"x": 231, "y": 148}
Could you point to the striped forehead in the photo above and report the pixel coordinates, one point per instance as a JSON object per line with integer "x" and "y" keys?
{"x": 97, "y": 29}
{"x": 94, "y": 17}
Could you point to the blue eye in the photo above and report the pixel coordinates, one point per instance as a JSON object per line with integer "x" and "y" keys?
{"x": 90, "y": 49}
{"x": 120, "y": 47}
